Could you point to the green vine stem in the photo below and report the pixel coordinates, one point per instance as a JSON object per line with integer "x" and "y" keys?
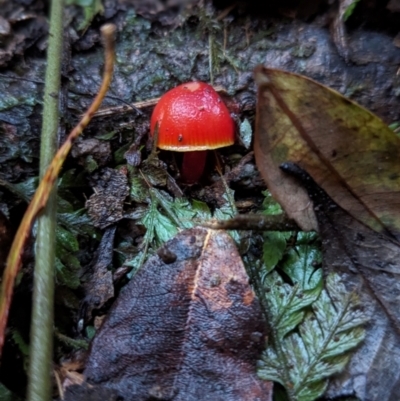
{"x": 41, "y": 336}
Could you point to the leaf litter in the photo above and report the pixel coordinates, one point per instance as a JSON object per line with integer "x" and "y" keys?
{"x": 289, "y": 302}
{"x": 163, "y": 216}
{"x": 186, "y": 327}
{"x": 160, "y": 210}
{"x": 352, "y": 155}
{"x": 310, "y": 355}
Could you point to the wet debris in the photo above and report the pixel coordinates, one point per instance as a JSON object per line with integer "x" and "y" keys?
{"x": 105, "y": 206}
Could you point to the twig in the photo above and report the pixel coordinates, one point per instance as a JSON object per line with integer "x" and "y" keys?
{"x": 42, "y": 193}
{"x": 255, "y": 222}
{"x": 109, "y": 111}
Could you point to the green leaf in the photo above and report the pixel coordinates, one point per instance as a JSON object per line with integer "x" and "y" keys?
{"x": 75, "y": 344}
{"x": 182, "y": 212}
{"x": 66, "y": 276}
{"x": 287, "y": 303}
{"x": 162, "y": 219}
{"x": 107, "y": 136}
{"x": 24, "y": 190}
{"x": 165, "y": 215}
{"x": 66, "y": 239}
{"x": 23, "y": 347}
{"x": 270, "y": 205}
{"x": 313, "y": 391}
{"x": 119, "y": 154}
{"x": 313, "y": 329}
{"x": 310, "y": 344}
{"x": 179, "y": 210}
{"x": 155, "y": 172}
{"x": 78, "y": 223}
{"x": 349, "y": 10}
{"x": 90, "y": 164}
{"x": 71, "y": 179}
{"x": 227, "y": 211}
{"x": 202, "y": 210}
{"x": 67, "y": 264}
{"x": 90, "y": 8}
{"x": 274, "y": 247}
{"x": 63, "y": 206}
{"x": 139, "y": 191}
{"x": 274, "y": 241}
{"x": 137, "y": 261}
{"x": 7, "y": 395}
{"x": 164, "y": 228}
{"x": 90, "y": 332}
{"x": 159, "y": 227}
{"x": 300, "y": 260}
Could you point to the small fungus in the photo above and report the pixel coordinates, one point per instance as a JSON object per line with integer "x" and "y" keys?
{"x": 192, "y": 118}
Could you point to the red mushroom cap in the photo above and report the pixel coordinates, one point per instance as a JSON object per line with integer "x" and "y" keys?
{"x": 192, "y": 117}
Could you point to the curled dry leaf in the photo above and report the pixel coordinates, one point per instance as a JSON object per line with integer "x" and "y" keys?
{"x": 187, "y": 327}
{"x": 347, "y": 150}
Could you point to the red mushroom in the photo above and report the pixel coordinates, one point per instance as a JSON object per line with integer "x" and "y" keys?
{"x": 192, "y": 118}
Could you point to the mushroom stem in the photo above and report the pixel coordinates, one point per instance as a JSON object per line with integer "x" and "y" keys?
{"x": 193, "y": 166}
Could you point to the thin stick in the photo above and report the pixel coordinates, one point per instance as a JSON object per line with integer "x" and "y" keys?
{"x": 109, "y": 111}
{"x": 42, "y": 193}
{"x": 254, "y": 222}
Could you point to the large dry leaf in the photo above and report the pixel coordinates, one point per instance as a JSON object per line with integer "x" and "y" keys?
{"x": 187, "y": 327}
{"x": 369, "y": 264}
{"x": 347, "y": 150}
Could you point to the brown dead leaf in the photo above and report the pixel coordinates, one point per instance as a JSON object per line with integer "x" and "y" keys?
{"x": 187, "y": 327}
{"x": 69, "y": 373}
{"x": 347, "y": 150}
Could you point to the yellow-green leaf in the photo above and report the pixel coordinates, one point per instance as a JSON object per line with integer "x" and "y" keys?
{"x": 351, "y": 153}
